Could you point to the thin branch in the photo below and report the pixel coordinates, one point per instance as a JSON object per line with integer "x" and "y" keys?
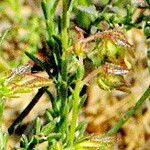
{"x": 27, "y": 109}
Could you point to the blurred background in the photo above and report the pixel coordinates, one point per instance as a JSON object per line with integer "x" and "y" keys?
{"x": 23, "y": 23}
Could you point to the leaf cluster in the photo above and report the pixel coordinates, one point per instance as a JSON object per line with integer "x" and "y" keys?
{"x": 107, "y": 51}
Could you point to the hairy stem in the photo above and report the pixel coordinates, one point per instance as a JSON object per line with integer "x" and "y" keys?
{"x": 67, "y": 8}
{"x": 75, "y": 110}
{"x": 129, "y": 113}
{"x": 64, "y": 26}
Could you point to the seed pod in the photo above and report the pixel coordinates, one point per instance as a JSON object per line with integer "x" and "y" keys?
{"x": 109, "y": 81}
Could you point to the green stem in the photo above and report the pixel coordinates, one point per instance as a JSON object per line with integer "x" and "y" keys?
{"x": 54, "y": 8}
{"x": 67, "y": 8}
{"x": 1, "y": 111}
{"x": 49, "y": 10}
{"x": 71, "y": 4}
{"x": 64, "y": 27}
{"x": 129, "y": 113}
{"x": 3, "y": 136}
{"x": 75, "y": 111}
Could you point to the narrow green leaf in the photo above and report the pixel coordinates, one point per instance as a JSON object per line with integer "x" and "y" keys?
{"x": 48, "y": 128}
{"x": 36, "y": 60}
{"x": 37, "y": 126}
{"x": 43, "y": 4}
{"x": 129, "y": 113}
{"x": 54, "y": 136}
{"x": 3, "y": 36}
{"x": 3, "y": 140}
